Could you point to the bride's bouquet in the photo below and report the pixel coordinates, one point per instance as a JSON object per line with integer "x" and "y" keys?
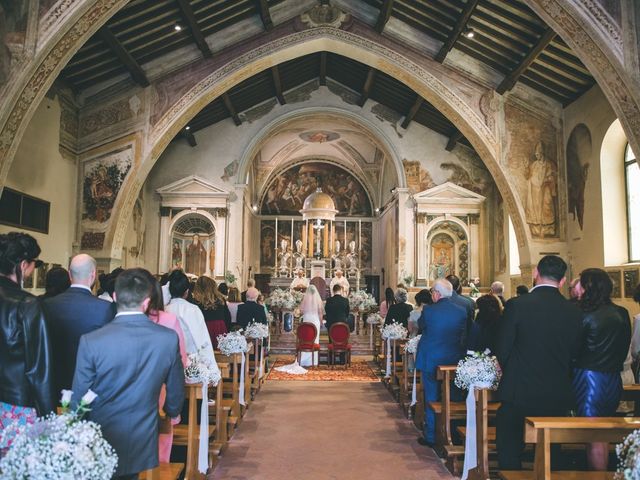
{"x": 412, "y": 345}
{"x": 478, "y": 369}
{"x": 394, "y": 331}
{"x": 629, "y": 457}
{"x": 257, "y": 330}
{"x": 233, "y": 342}
{"x": 59, "y": 446}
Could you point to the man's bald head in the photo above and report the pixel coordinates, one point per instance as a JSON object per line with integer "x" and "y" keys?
{"x": 82, "y": 270}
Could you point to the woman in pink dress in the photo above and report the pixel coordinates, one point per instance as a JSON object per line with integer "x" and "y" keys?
{"x": 157, "y": 314}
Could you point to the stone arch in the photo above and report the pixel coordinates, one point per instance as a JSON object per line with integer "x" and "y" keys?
{"x": 414, "y": 75}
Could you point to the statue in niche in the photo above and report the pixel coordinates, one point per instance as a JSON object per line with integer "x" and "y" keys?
{"x": 196, "y": 257}
{"x": 176, "y": 254}
{"x": 285, "y": 255}
{"x": 352, "y": 258}
{"x": 299, "y": 256}
{"x": 337, "y": 260}
{"x": 542, "y": 192}
{"x": 212, "y": 256}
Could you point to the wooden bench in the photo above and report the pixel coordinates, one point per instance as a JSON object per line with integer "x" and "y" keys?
{"x": 231, "y": 390}
{"x": 164, "y": 471}
{"x": 544, "y": 431}
{"x": 631, "y": 393}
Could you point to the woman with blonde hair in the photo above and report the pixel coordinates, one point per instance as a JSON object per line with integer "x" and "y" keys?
{"x": 233, "y": 300}
{"x": 213, "y": 306}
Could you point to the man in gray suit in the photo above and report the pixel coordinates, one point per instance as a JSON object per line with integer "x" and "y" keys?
{"x": 126, "y": 363}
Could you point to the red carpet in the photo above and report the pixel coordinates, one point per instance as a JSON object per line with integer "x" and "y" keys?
{"x": 359, "y": 371}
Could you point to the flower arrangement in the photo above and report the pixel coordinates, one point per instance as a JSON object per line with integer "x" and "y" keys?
{"x": 375, "y": 319}
{"x": 412, "y": 345}
{"x": 229, "y": 277}
{"x": 475, "y": 292}
{"x": 200, "y": 370}
{"x": 233, "y": 342}
{"x": 257, "y": 330}
{"x": 394, "y": 331}
{"x": 284, "y": 299}
{"x": 362, "y": 301}
{"x": 407, "y": 278}
{"x": 629, "y": 457}
{"x": 59, "y": 446}
{"x": 479, "y": 369}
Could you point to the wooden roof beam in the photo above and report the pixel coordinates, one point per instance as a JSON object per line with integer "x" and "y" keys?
{"x": 384, "y": 16}
{"x": 265, "y": 15}
{"x": 459, "y": 27}
{"x": 191, "y": 139}
{"x": 323, "y": 68}
{"x": 231, "y": 109}
{"x": 196, "y": 33}
{"x": 277, "y": 82}
{"x": 366, "y": 89}
{"x": 412, "y": 112}
{"x": 136, "y": 71}
{"x": 510, "y": 80}
{"x": 453, "y": 140}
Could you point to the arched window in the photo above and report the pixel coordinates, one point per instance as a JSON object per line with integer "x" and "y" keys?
{"x": 632, "y": 181}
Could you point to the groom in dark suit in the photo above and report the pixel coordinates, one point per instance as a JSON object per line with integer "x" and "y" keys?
{"x": 126, "y": 363}
{"x": 539, "y": 337}
{"x": 337, "y": 309}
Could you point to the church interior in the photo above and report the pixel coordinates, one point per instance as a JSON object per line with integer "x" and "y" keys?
{"x": 397, "y": 142}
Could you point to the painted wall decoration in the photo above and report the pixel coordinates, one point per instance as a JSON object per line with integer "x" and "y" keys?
{"x": 614, "y": 275}
{"x": 442, "y": 256}
{"x": 532, "y": 162}
{"x": 418, "y": 178}
{"x": 13, "y": 27}
{"x": 287, "y": 192}
{"x": 578, "y": 154}
{"x": 319, "y": 136}
{"x": 499, "y": 244}
{"x": 630, "y": 282}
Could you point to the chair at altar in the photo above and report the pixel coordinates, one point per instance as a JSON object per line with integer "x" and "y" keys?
{"x": 339, "y": 338}
{"x": 306, "y": 341}
{"x": 321, "y": 285}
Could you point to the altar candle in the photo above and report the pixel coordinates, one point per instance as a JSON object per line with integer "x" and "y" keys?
{"x": 345, "y": 235}
{"x": 325, "y": 241}
{"x": 304, "y": 236}
{"x": 359, "y": 235}
{"x": 276, "y": 241}
{"x": 310, "y": 240}
{"x": 333, "y": 237}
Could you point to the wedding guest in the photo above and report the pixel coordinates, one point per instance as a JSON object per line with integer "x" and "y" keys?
{"x": 389, "y": 299}
{"x": 444, "y": 327}
{"x": 485, "y": 329}
{"x": 606, "y": 335}
{"x": 497, "y": 288}
{"x": 233, "y": 300}
{"x": 26, "y": 383}
{"x": 156, "y": 313}
{"x": 72, "y": 314}
{"x": 223, "y": 289}
{"x": 521, "y": 290}
{"x": 399, "y": 311}
{"x": 423, "y": 297}
{"x": 535, "y": 384}
{"x": 465, "y": 302}
{"x": 191, "y": 320}
{"x": 126, "y": 363}
{"x": 250, "y": 311}
{"x": 635, "y": 339}
{"x": 575, "y": 290}
{"x": 336, "y": 309}
{"x": 251, "y": 283}
{"x": 213, "y": 307}
{"x": 56, "y": 281}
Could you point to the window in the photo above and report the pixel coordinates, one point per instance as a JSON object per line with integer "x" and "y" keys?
{"x": 20, "y": 210}
{"x": 632, "y": 180}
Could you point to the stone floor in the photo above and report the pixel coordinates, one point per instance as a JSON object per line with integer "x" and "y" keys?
{"x": 329, "y": 431}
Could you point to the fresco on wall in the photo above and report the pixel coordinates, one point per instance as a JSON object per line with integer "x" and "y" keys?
{"x": 532, "y": 161}
{"x": 578, "y": 155}
{"x": 418, "y": 178}
{"x": 13, "y": 27}
{"x": 267, "y": 244}
{"x": 499, "y": 244}
{"x": 289, "y": 189}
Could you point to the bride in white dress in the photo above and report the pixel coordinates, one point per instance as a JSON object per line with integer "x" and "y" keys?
{"x": 312, "y": 310}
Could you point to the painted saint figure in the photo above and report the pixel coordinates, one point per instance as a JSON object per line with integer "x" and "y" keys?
{"x": 196, "y": 257}
{"x": 541, "y": 194}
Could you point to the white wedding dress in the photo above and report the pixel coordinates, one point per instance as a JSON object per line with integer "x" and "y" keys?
{"x": 308, "y": 359}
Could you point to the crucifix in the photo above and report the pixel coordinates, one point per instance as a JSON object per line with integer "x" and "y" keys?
{"x": 318, "y": 227}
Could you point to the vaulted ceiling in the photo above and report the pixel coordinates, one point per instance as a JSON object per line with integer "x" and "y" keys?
{"x": 504, "y": 36}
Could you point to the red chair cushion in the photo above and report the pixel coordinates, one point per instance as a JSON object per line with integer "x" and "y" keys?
{"x": 306, "y": 333}
{"x": 339, "y": 334}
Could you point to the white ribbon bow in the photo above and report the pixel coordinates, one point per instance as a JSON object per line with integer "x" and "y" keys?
{"x": 203, "y": 441}
{"x": 388, "y": 373}
{"x": 413, "y": 390}
{"x": 241, "y": 398}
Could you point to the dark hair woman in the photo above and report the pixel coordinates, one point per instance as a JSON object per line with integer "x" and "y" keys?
{"x": 484, "y": 331}
{"x": 423, "y": 297}
{"x": 214, "y": 308}
{"x": 389, "y": 299}
{"x": 606, "y": 334}
{"x": 56, "y": 281}
{"x": 26, "y": 388}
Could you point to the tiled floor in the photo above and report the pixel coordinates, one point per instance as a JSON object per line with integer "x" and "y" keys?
{"x": 326, "y": 430}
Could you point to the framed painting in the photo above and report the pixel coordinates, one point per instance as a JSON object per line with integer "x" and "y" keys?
{"x": 615, "y": 278}
{"x": 631, "y": 278}
{"x": 41, "y": 275}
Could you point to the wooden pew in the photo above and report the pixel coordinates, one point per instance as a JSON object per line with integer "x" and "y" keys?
{"x": 256, "y": 365}
{"x": 406, "y": 383}
{"x": 631, "y": 393}
{"x": 219, "y": 412}
{"x": 544, "y": 431}
{"x": 395, "y": 380}
{"x": 164, "y": 471}
{"x": 231, "y": 391}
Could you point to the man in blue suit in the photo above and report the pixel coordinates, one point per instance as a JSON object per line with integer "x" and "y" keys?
{"x": 73, "y": 313}
{"x": 465, "y": 302}
{"x": 443, "y": 326}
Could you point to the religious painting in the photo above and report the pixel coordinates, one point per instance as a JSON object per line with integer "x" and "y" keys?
{"x": 630, "y": 282}
{"x": 288, "y": 190}
{"x": 195, "y": 256}
{"x": 614, "y": 275}
{"x": 442, "y": 256}
{"x": 176, "y": 252}
{"x": 532, "y": 162}
{"x": 578, "y": 155}
{"x": 418, "y": 179}
{"x": 470, "y": 173}
{"x": 27, "y": 283}
{"x": 366, "y": 251}
{"x": 41, "y": 275}
{"x": 267, "y": 244}
{"x": 499, "y": 244}
{"x": 319, "y": 136}
{"x": 13, "y": 28}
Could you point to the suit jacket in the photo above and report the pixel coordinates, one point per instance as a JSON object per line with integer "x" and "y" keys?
{"x": 539, "y": 337}
{"x": 336, "y": 310}
{"x": 443, "y": 326}
{"x": 400, "y": 313}
{"x": 126, "y": 363}
{"x": 71, "y": 314}
{"x": 249, "y": 311}
{"x": 469, "y": 306}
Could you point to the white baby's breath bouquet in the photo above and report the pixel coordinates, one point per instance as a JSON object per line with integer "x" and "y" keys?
{"x": 629, "y": 457}
{"x": 257, "y": 330}
{"x": 375, "y": 319}
{"x": 233, "y": 342}
{"x": 412, "y": 345}
{"x": 58, "y": 446}
{"x": 480, "y": 369}
{"x": 394, "y": 331}
{"x": 280, "y": 299}
{"x": 200, "y": 370}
